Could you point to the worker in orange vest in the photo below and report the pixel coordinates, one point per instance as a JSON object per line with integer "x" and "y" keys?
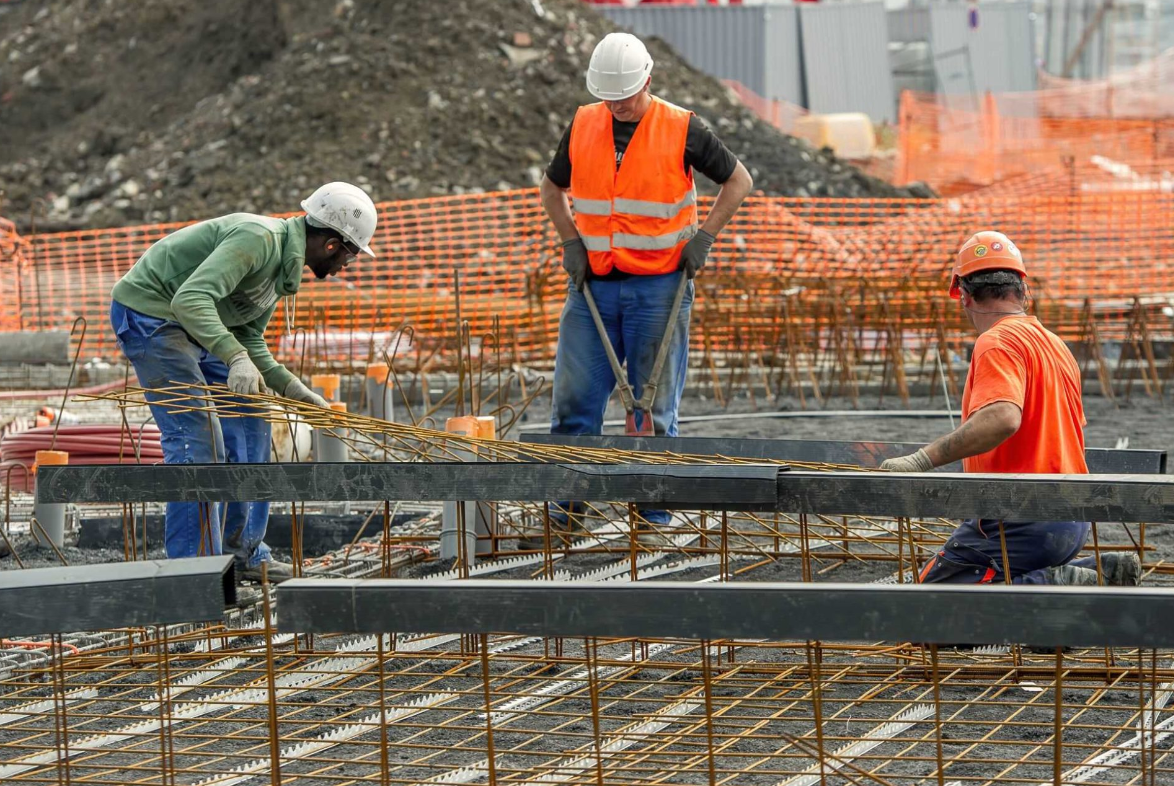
{"x": 1021, "y": 413}
{"x": 627, "y": 165}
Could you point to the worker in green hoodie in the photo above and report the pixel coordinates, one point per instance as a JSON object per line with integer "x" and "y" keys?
{"x": 193, "y": 310}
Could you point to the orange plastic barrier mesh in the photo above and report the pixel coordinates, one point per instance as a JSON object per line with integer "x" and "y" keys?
{"x": 957, "y": 146}
{"x": 10, "y": 256}
{"x": 1098, "y": 235}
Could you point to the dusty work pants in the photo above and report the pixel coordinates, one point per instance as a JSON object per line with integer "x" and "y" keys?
{"x": 163, "y": 353}
{"x": 635, "y": 312}
{"x": 974, "y": 555}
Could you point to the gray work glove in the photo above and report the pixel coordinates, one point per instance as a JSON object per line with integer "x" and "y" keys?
{"x": 695, "y": 252}
{"x": 243, "y": 376}
{"x": 298, "y": 391}
{"x": 575, "y": 261}
{"x": 914, "y": 462}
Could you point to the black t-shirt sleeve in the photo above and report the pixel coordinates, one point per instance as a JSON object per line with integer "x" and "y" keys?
{"x": 705, "y": 153}
{"x": 559, "y": 170}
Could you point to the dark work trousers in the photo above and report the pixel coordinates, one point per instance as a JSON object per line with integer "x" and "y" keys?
{"x": 974, "y": 555}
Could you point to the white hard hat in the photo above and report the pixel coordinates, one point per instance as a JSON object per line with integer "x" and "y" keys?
{"x": 619, "y": 67}
{"x": 347, "y": 209}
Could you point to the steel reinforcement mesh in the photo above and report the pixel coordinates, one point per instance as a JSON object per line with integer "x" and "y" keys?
{"x": 1088, "y": 234}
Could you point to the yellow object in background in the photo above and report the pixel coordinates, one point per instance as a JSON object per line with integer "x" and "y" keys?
{"x": 849, "y": 134}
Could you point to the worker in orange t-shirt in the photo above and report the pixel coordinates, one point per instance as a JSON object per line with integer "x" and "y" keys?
{"x": 1021, "y": 413}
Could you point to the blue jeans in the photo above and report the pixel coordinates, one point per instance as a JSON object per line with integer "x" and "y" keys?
{"x": 635, "y": 312}
{"x": 162, "y": 353}
{"x": 974, "y": 554}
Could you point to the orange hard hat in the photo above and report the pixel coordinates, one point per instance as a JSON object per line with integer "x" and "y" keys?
{"x": 987, "y": 250}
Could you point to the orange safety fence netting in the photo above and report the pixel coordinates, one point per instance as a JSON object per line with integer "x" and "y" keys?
{"x": 957, "y": 144}
{"x": 1097, "y": 235}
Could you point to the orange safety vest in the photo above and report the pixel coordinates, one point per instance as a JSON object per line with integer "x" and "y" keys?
{"x": 638, "y": 218}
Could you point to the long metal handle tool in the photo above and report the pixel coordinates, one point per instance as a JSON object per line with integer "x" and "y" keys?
{"x": 627, "y": 398}
{"x": 645, "y": 402}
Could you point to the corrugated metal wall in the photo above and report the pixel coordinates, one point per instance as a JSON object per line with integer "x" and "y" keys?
{"x": 783, "y": 66}
{"x": 846, "y": 59}
{"x": 998, "y": 56}
{"x": 757, "y": 46}
{"x": 836, "y": 57}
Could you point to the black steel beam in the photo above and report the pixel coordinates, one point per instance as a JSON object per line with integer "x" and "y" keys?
{"x": 861, "y": 454}
{"x": 1148, "y": 498}
{"x": 1046, "y": 616}
{"x": 114, "y": 595}
{"x": 731, "y": 487}
{"x": 751, "y": 487}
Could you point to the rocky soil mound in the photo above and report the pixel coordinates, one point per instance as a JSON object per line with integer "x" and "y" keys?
{"x": 117, "y": 113}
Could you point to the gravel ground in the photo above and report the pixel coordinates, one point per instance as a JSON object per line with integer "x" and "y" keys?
{"x": 232, "y": 105}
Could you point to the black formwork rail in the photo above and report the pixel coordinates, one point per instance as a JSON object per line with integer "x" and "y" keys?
{"x": 743, "y": 487}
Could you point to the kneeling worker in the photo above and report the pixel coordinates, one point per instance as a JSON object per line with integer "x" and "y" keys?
{"x": 193, "y": 310}
{"x": 1021, "y": 413}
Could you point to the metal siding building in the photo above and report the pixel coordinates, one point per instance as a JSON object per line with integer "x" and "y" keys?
{"x": 846, "y": 59}
{"x": 837, "y": 57}
{"x": 999, "y": 55}
{"x": 755, "y": 45}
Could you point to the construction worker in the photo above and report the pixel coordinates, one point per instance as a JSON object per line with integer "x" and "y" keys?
{"x": 1021, "y": 413}
{"x": 194, "y": 310}
{"x": 627, "y": 164}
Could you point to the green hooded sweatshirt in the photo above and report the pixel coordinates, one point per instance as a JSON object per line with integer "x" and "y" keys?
{"x": 220, "y": 280}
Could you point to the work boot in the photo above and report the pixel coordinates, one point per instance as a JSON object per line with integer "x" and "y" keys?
{"x": 1121, "y": 569}
{"x": 246, "y": 596}
{"x": 278, "y": 572}
{"x": 1072, "y": 576}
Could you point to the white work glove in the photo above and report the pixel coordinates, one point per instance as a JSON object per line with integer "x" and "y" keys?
{"x": 914, "y": 462}
{"x": 243, "y": 376}
{"x": 297, "y": 390}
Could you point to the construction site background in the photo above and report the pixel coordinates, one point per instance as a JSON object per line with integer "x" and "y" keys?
{"x": 1078, "y": 173}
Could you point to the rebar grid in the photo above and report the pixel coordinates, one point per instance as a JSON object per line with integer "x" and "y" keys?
{"x": 576, "y": 711}
{"x": 248, "y": 705}
{"x": 373, "y": 438}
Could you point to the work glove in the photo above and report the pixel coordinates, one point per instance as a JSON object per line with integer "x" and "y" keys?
{"x": 575, "y": 261}
{"x": 914, "y": 462}
{"x": 695, "y": 252}
{"x": 298, "y": 391}
{"x": 243, "y": 376}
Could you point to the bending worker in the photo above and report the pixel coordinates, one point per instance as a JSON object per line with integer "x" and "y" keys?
{"x": 627, "y": 164}
{"x": 1021, "y": 413}
{"x": 194, "y": 309}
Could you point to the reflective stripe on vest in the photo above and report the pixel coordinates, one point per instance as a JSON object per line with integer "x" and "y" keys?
{"x": 643, "y": 207}
{"x": 596, "y": 242}
{"x": 651, "y": 243}
{"x": 593, "y": 207}
{"x": 635, "y": 207}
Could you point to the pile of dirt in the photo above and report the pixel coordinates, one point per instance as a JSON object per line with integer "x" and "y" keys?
{"x": 118, "y": 113}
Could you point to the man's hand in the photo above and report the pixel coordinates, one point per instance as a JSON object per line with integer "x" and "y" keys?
{"x": 695, "y": 252}
{"x": 298, "y": 391}
{"x": 243, "y": 376}
{"x": 914, "y": 462}
{"x": 575, "y": 261}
